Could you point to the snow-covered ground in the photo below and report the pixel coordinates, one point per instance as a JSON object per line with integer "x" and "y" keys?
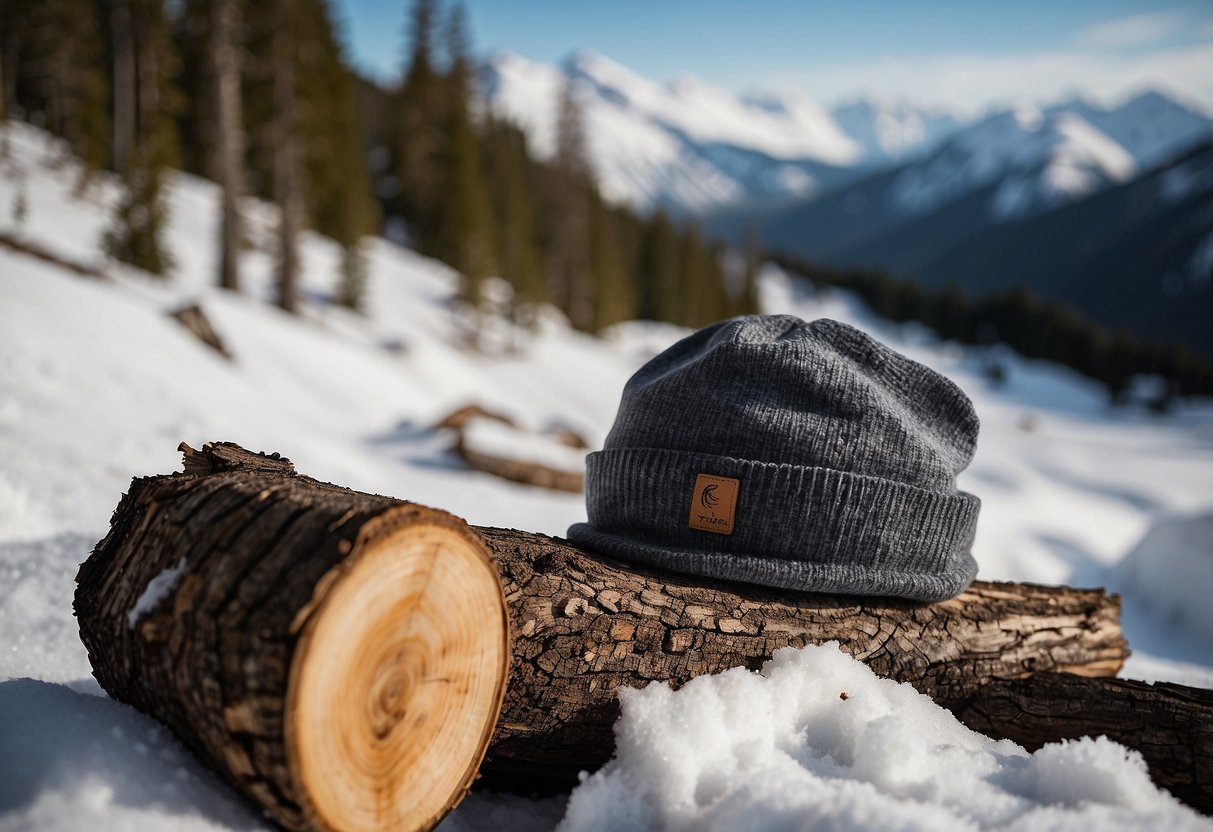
{"x": 99, "y": 384}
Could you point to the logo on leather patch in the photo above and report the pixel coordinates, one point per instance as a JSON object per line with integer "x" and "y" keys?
{"x": 713, "y": 503}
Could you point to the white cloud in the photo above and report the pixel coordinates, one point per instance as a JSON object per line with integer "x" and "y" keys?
{"x": 974, "y": 81}
{"x": 1137, "y": 30}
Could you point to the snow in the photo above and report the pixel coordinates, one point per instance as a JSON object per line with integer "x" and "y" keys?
{"x": 692, "y": 147}
{"x": 676, "y": 144}
{"x": 1170, "y": 571}
{"x": 817, "y": 740}
{"x": 1038, "y": 161}
{"x": 893, "y": 130}
{"x": 157, "y": 589}
{"x": 796, "y": 128}
{"x": 1151, "y": 127}
{"x": 99, "y": 384}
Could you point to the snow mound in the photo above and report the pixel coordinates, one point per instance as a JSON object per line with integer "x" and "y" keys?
{"x": 817, "y": 741}
{"x": 1170, "y": 571}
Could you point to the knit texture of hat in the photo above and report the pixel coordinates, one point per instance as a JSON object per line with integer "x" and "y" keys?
{"x": 793, "y": 454}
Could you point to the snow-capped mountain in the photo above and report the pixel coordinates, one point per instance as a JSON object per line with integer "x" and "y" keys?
{"x": 694, "y": 148}
{"x": 1039, "y": 160}
{"x": 1009, "y": 165}
{"x": 1151, "y": 127}
{"x": 890, "y": 131}
{"x": 685, "y": 145}
{"x": 1063, "y": 209}
{"x": 1136, "y": 255}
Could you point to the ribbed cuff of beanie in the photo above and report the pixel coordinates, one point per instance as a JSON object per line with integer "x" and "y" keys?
{"x": 804, "y": 528}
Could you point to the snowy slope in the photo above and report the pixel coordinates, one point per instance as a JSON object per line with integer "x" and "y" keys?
{"x": 98, "y": 384}
{"x": 684, "y": 145}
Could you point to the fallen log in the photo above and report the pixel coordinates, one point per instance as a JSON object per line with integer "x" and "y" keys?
{"x": 585, "y": 626}
{"x": 494, "y": 444}
{"x": 1171, "y": 725}
{"x": 194, "y": 319}
{"x": 339, "y": 657}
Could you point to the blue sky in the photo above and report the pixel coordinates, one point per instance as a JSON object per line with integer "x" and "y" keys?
{"x": 962, "y": 54}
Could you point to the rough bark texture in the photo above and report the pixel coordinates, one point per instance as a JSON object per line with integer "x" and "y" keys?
{"x": 584, "y": 627}
{"x": 255, "y": 549}
{"x": 1171, "y": 725}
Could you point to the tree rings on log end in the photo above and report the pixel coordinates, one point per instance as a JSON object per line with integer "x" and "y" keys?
{"x": 397, "y": 680}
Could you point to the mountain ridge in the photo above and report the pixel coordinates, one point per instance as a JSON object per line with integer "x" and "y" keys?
{"x": 696, "y": 149}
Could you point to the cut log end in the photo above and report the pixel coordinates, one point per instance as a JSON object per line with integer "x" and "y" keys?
{"x": 397, "y": 681}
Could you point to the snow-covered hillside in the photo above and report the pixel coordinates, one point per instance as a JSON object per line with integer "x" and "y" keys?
{"x": 99, "y": 384}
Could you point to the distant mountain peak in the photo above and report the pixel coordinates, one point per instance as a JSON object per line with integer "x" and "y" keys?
{"x": 1152, "y": 125}
{"x": 694, "y": 147}
{"x": 890, "y": 129}
{"x": 685, "y": 144}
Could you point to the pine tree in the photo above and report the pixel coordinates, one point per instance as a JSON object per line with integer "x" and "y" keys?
{"x": 287, "y": 174}
{"x": 226, "y": 48}
{"x": 466, "y": 240}
{"x": 418, "y": 134}
{"x": 339, "y": 199}
{"x": 695, "y": 288}
{"x": 614, "y": 295}
{"x": 514, "y": 210}
{"x": 142, "y": 215}
{"x": 125, "y": 125}
{"x": 570, "y": 279}
{"x": 54, "y": 72}
{"x": 658, "y": 290}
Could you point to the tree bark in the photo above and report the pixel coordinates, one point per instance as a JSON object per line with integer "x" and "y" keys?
{"x": 238, "y": 647}
{"x": 1171, "y": 725}
{"x": 337, "y": 657}
{"x": 229, "y": 144}
{"x": 585, "y": 626}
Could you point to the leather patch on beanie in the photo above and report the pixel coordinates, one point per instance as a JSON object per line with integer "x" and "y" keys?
{"x": 713, "y": 503}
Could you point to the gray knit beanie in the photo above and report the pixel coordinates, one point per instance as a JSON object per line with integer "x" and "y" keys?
{"x": 799, "y": 455}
